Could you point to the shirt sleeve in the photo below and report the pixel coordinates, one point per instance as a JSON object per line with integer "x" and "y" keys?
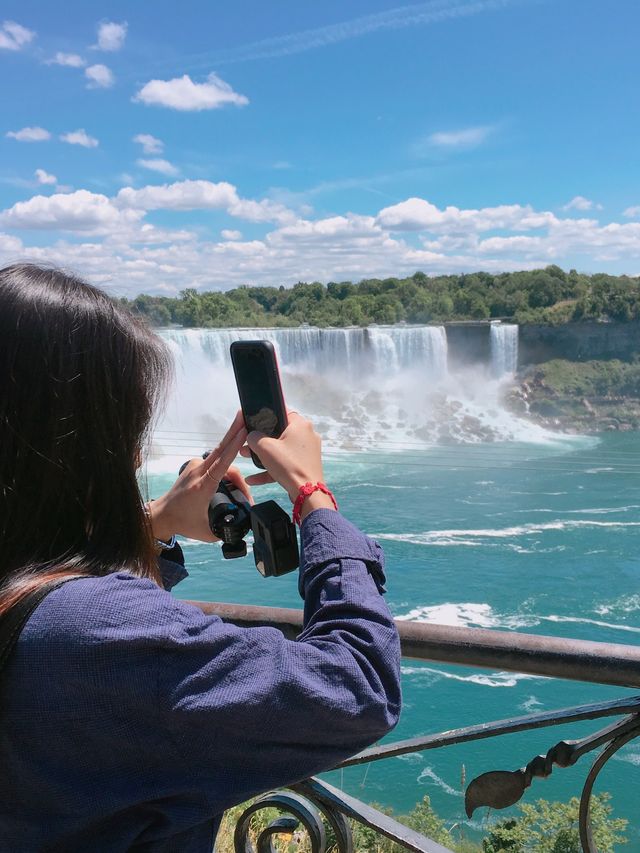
{"x": 171, "y": 566}
{"x": 248, "y": 710}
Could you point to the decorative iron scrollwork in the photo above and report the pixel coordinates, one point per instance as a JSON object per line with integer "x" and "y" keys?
{"x": 305, "y": 811}
{"x": 499, "y": 789}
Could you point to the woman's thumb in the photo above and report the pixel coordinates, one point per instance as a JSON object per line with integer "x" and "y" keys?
{"x": 257, "y": 439}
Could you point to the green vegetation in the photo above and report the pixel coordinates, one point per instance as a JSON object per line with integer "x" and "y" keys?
{"x": 540, "y": 827}
{"x": 538, "y": 296}
{"x": 590, "y": 379}
{"x": 585, "y": 396}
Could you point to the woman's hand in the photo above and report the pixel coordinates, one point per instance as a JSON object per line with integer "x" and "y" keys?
{"x": 291, "y": 460}
{"x": 184, "y": 508}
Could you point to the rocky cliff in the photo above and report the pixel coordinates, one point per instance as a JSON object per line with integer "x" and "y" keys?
{"x": 583, "y": 341}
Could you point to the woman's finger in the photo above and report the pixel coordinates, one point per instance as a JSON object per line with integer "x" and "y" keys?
{"x": 238, "y": 424}
{"x": 239, "y": 481}
{"x": 257, "y": 439}
{"x": 260, "y": 479}
{"x": 216, "y": 470}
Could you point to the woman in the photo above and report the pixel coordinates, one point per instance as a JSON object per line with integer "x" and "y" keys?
{"x": 130, "y": 720}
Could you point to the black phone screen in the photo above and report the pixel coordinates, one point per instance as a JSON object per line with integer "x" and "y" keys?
{"x": 256, "y": 372}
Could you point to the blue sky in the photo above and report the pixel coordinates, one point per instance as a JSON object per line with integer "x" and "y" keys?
{"x": 271, "y": 143}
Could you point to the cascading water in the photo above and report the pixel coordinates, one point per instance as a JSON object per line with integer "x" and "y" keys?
{"x": 355, "y": 350}
{"x": 504, "y": 349}
{"x": 387, "y": 387}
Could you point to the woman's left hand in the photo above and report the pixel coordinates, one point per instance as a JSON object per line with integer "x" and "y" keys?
{"x": 183, "y": 510}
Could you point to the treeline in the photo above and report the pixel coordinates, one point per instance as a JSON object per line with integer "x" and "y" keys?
{"x": 547, "y": 295}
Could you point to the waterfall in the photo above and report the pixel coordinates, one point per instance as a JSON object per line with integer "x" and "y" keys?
{"x": 353, "y": 352}
{"x": 383, "y": 387}
{"x": 504, "y": 349}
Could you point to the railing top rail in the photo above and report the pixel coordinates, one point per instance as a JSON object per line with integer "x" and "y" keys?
{"x": 553, "y": 657}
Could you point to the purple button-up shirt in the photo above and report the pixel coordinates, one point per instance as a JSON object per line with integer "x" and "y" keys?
{"x": 130, "y": 720}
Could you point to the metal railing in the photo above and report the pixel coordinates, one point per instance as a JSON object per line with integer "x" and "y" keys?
{"x": 579, "y": 660}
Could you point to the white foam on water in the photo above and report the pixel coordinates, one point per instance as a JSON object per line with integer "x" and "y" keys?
{"x": 387, "y": 486}
{"x": 603, "y": 510}
{"x": 519, "y": 549}
{"x": 530, "y": 705}
{"x": 550, "y": 494}
{"x": 630, "y": 757}
{"x": 493, "y": 679}
{"x": 411, "y": 757}
{"x": 481, "y": 615}
{"x": 585, "y": 621}
{"x": 466, "y": 615}
{"x": 431, "y": 777}
{"x": 475, "y": 536}
{"x": 625, "y": 604}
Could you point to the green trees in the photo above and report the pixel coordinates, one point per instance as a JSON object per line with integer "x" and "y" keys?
{"x": 550, "y": 827}
{"x": 538, "y": 296}
{"x": 544, "y": 290}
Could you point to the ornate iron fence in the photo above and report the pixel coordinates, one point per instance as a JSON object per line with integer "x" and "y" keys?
{"x": 314, "y": 802}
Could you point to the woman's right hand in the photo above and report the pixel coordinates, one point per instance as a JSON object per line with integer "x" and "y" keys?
{"x": 292, "y": 460}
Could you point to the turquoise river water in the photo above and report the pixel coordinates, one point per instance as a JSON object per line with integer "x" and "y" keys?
{"x": 535, "y": 538}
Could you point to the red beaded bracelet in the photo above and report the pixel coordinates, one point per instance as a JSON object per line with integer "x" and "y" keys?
{"x": 303, "y": 494}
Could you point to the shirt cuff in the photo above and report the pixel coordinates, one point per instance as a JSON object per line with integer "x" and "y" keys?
{"x": 171, "y": 565}
{"x": 327, "y": 536}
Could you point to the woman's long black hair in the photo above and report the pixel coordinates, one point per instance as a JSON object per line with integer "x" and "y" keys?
{"x": 80, "y": 378}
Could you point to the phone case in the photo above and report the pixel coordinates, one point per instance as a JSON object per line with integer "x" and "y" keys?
{"x": 275, "y": 386}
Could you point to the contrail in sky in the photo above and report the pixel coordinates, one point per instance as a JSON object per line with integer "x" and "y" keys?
{"x": 418, "y": 14}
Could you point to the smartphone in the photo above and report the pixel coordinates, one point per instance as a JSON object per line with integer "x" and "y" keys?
{"x": 258, "y": 379}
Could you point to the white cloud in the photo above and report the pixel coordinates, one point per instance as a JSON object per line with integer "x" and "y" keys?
{"x": 78, "y": 211}
{"x": 351, "y": 227}
{"x": 14, "y": 36}
{"x": 414, "y": 214}
{"x": 203, "y": 195}
{"x": 150, "y": 145}
{"x": 158, "y": 165}
{"x": 9, "y": 247}
{"x": 111, "y": 36}
{"x": 469, "y": 137}
{"x": 120, "y": 247}
{"x": 80, "y": 137}
{"x": 183, "y": 195}
{"x": 418, "y": 214}
{"x": 70, "y": 60}
{"x": 261, "y": 211}
{"x": 30, "y": 134}
{"x": 150, "y": 234}
{"x": 504, "y": 245}
{"x": 579, "y": 202}
{"x": 44, "y": 177}
{"x": 99, "y": 77}
{"x": 183, "y": 94}
{"x": 632, "y": 212}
